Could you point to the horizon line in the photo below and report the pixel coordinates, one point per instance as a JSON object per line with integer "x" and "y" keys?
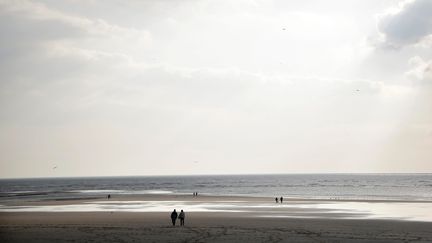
{"x": 216, "y": 174}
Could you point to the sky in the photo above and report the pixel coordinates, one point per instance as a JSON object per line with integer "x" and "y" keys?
{"x": 159, "y": 87}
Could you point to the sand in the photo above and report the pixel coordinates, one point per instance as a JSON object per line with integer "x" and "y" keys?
{"x": 200, "y": 226}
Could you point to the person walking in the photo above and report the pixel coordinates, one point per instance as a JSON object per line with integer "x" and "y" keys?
{"x": 174, "y": 217}
{"x": 281, "y": 199}
{"x": 182, "y": 217}
{"x": 276, "y": 199}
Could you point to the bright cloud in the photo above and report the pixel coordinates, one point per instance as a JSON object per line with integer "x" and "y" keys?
{"x": 421, "y": 70}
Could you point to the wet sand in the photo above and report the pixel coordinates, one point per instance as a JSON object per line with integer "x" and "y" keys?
{"x": 201, "y": 227}
{"x": 113, "y": 226}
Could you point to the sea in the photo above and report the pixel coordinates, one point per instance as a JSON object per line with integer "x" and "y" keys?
{"x": 406, "y": 187}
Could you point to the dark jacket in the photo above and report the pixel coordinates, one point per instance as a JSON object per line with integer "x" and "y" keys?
{"x": 174, "y": 215}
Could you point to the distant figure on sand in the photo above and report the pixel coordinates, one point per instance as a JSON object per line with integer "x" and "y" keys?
{"x": 182, "y": 217}
{"x": 174, "y": 217}
{"x": 276, "y": 199}
{"x": 281, "y": 199}
{"x": 109, "y": 196}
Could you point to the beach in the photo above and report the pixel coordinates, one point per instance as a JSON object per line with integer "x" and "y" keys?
{"x": 144, "y": 218}
{"x": 260, "y": 121}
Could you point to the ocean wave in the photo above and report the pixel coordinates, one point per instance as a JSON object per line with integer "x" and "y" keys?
{"x": 123, "y": 191}
{"x": 98, "y": 191}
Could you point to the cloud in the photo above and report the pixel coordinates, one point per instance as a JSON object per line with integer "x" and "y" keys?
{"x": 38, "y": 12}
{"x": 421, "y": 70}
{"x": 53, "y": 45}
{"x": 407, "y": 24}
{"x": 195, "y": 78}
{"x": 31, "y": 29}
{"x": 80, "y": 66}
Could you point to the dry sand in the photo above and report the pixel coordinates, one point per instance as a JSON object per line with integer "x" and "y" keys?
{"x": 200, "y": 226}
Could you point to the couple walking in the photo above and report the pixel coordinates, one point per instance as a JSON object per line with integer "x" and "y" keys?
{"x": 181, "y": 216}
{"x": 277, "y": 199}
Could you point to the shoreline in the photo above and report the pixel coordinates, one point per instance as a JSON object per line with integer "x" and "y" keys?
{"x": 203, "y": 196}
{"x": 258, "y": 206}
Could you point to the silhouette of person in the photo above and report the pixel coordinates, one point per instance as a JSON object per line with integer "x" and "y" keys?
{"x": 276, "y": 199}
{"x": 174, "y": 217}
{"x": 281, "y": 199}
{"x": 109, "y": 196}
{"x": 182, "y": 217}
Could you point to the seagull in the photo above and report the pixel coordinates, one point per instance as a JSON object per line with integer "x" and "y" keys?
{"x": 55, "y": 167}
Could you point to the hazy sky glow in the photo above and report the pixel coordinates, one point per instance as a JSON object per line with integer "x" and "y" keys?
{"x": 214, "y": 86}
